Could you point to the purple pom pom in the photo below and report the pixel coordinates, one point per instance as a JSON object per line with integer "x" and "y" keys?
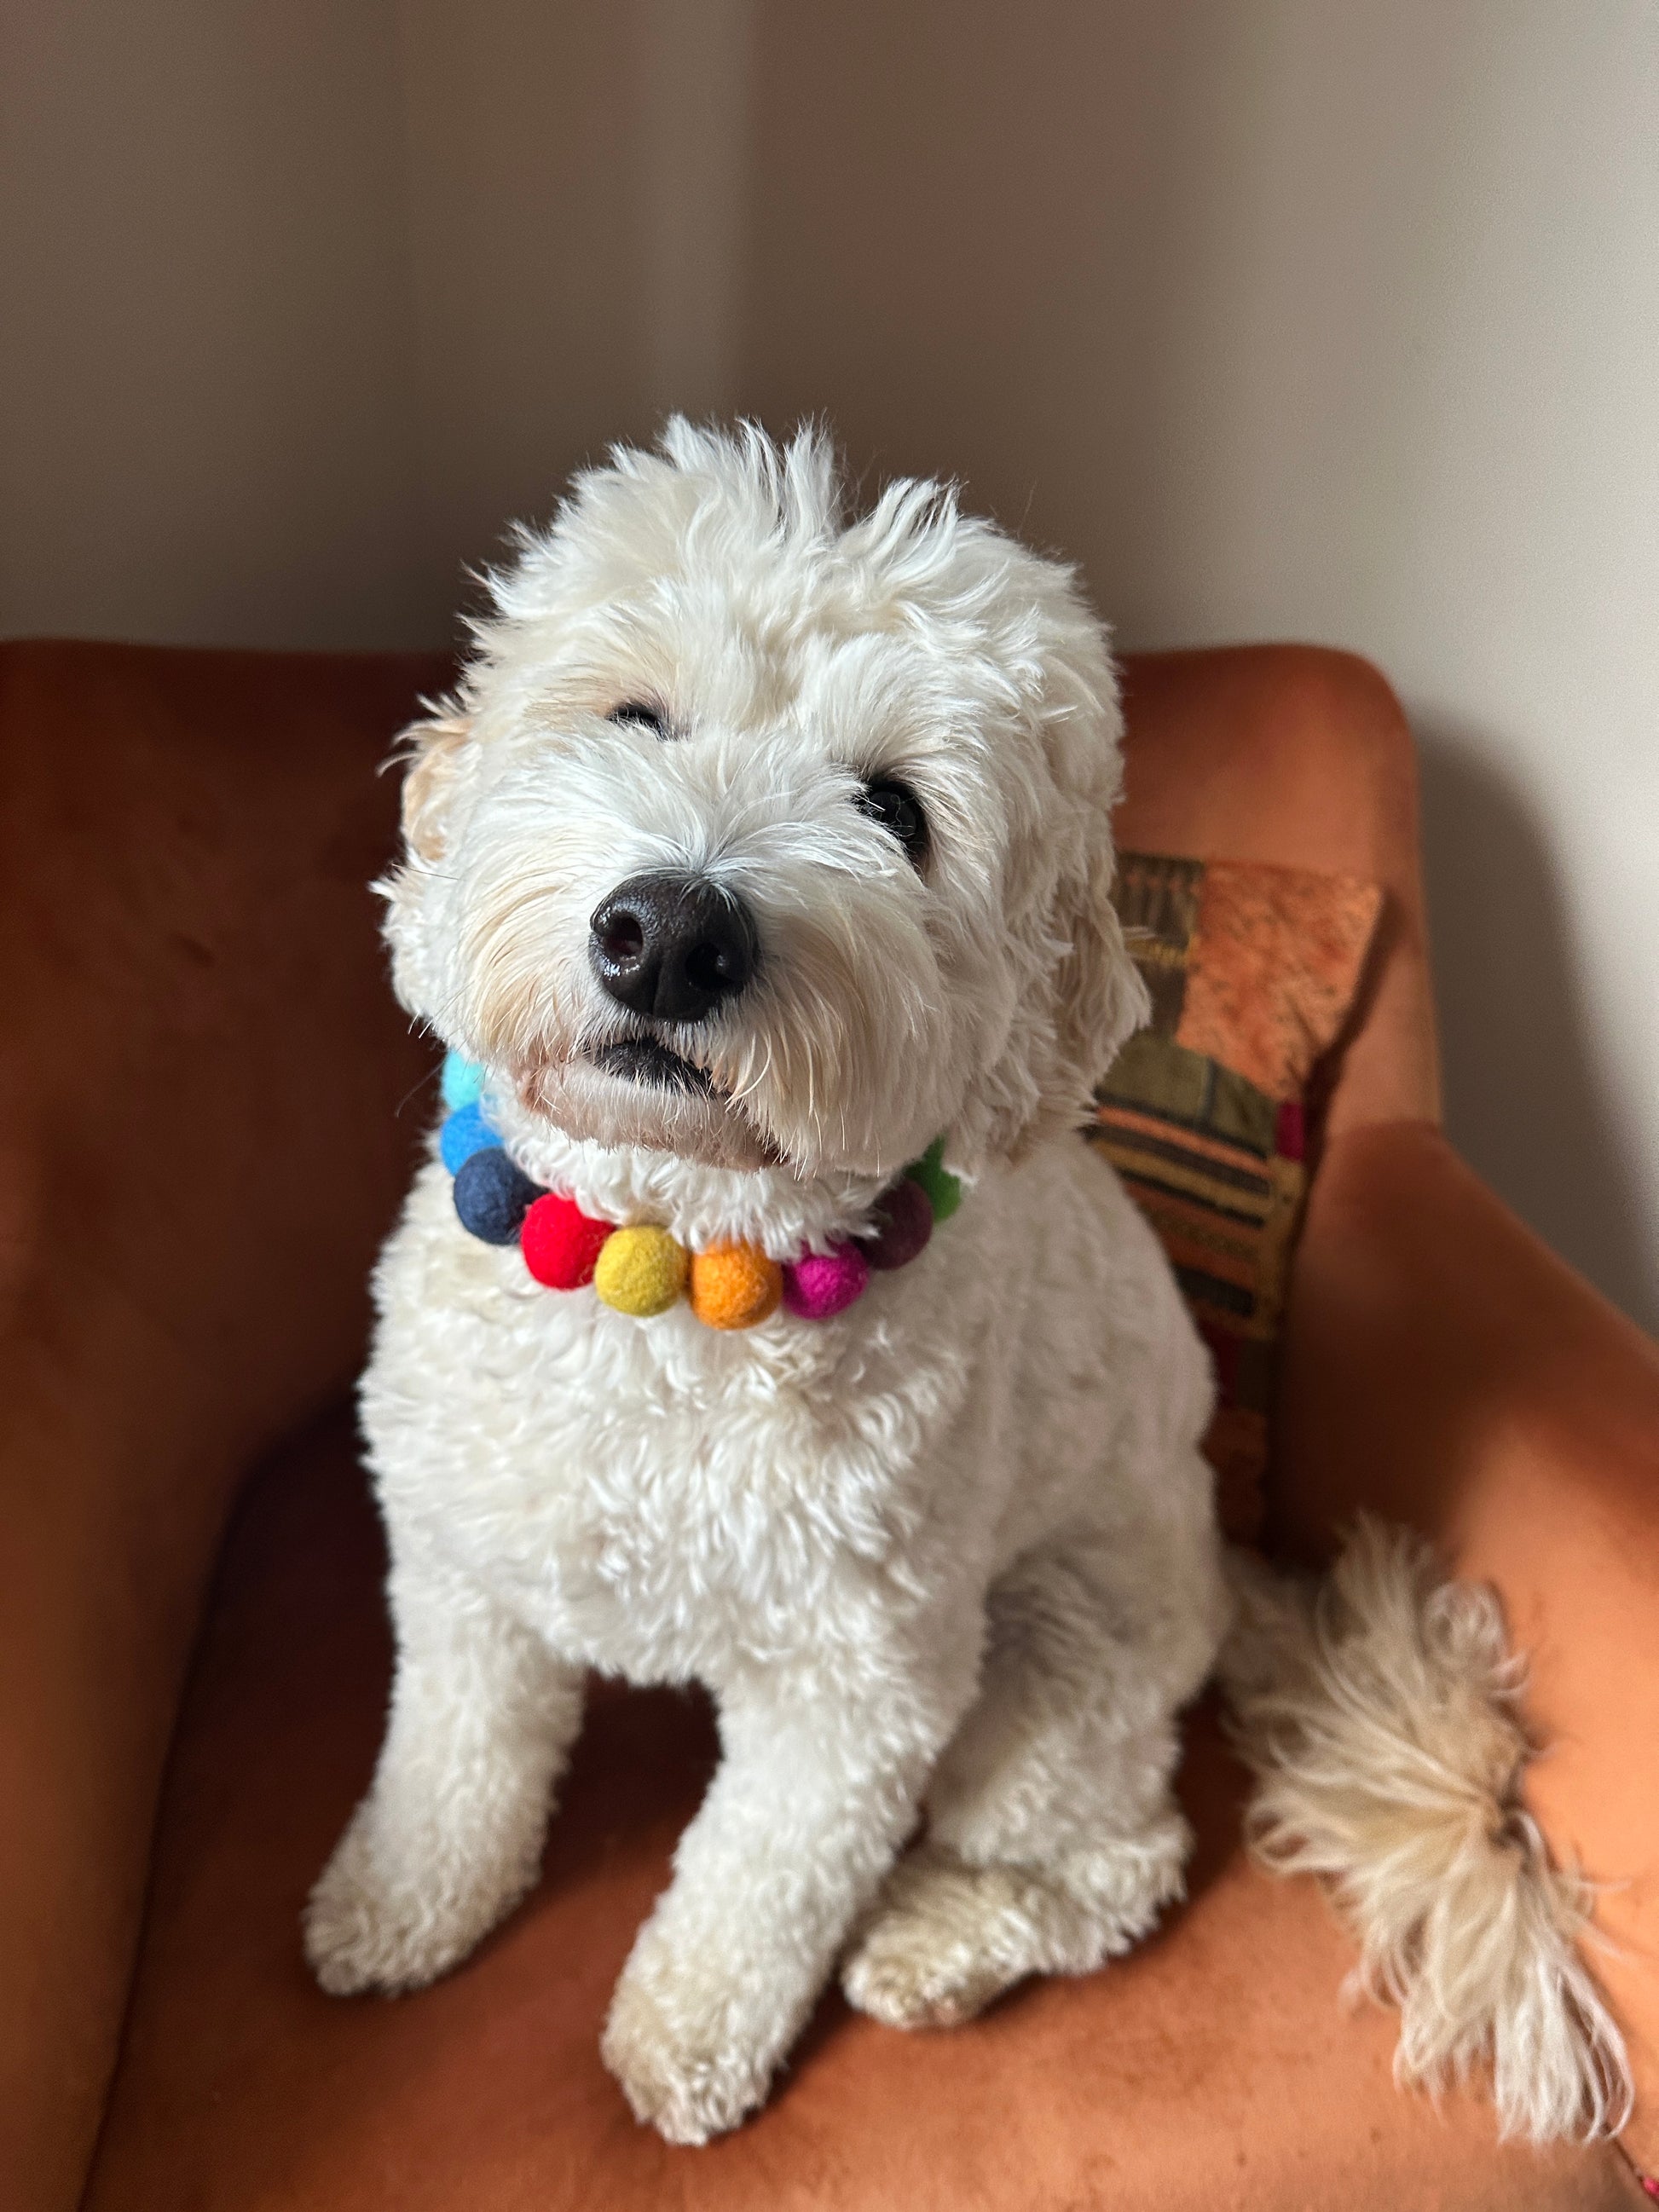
{"x": 825, "y": 1283}
{"x": 904, "y": 1222}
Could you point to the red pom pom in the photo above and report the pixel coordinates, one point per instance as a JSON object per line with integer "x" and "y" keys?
{"x": 561, "y": 1245}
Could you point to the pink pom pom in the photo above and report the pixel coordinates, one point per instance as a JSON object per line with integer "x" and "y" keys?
{"x": 825, "y": 1283}
{"x": 903, "y": 1224}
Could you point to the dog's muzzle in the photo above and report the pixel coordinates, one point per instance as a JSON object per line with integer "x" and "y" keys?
{"x": 672, "y": 947}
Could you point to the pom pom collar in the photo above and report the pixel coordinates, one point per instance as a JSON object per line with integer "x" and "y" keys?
{"x": 637, "y": 1268}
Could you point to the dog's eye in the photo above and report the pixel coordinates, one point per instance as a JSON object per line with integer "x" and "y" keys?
{"x": 898, "y": 810}
{"x": 635, "y": 710}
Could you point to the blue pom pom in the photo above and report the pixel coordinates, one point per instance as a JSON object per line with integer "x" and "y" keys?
{"x": 462, "y": 1081}
{"x": 463, "y": 1134}
{"x": 492, "y": 1197}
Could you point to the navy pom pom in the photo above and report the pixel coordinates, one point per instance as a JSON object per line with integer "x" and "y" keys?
{"x": 492, "y": 1197}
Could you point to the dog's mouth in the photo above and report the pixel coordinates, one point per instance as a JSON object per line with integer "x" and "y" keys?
{"x": 644, "y": 1061}
{"x": 655, "y": 1097}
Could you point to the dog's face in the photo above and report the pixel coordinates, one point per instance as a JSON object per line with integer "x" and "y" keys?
{"x": 758, "y": 838}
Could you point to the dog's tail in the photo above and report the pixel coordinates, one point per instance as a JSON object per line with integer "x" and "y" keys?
{"x": 1379, "y": 1711}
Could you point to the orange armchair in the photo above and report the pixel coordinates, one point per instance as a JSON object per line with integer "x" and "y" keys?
{"x": 210, "y": 1108}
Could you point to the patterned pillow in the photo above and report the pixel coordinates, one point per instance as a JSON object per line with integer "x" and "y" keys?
{"x": 1252, "y": 971}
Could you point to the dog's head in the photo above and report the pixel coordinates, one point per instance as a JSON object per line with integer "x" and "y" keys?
{"x": 759, "y": 837}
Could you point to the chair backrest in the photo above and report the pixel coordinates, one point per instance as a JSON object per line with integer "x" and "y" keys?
{"x": 201, "y": 1046}
{"x": 205, "y": 1063}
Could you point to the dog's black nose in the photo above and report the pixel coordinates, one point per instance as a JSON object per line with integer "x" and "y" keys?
{"x": 671, "y": 947}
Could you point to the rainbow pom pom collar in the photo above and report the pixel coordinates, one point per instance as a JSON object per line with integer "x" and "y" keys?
{"x": 643, "y": 1270}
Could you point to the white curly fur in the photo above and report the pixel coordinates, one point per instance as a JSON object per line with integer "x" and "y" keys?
{"x": 955, "y": 1546}
{"x": 954, "y": 1549}
{"x": 1380, "y": 1711}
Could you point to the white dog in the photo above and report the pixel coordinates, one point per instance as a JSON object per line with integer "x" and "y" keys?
{"x": 953, "y": 1545}
{"x": 759, "y": 851}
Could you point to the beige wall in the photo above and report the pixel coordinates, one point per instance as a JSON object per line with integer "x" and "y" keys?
{"x": 1284, "y": 317}
{"x": 207, "y": 422}
{"x": 1290, "y": 319}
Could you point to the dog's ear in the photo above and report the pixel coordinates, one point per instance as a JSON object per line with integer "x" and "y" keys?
{"x": 433, "y": 750}
{"x": 1080, "y": 995}
{"x": 1100, "y": 1000}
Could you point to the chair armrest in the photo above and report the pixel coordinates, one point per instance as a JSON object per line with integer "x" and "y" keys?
{"x": 1444, "y": 1369}
{"x": 199, "y": 1149}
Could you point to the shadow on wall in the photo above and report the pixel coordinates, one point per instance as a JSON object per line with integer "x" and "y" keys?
{"x": 1526, "y": 1103}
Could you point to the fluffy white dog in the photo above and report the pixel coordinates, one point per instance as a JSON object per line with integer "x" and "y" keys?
{"x": 952, "y": 1546}
{"x": 760, "y": 850}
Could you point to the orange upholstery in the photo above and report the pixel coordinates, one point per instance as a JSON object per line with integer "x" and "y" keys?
{"x": 201, "y": 1146}
{"x": 1214, "y": 2066}
{"x": 1442, "y": 1367}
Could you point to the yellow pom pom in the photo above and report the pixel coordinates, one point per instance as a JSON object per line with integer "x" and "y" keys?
{"x": 734, "y": 1285}
{"x": 641, "y": 1271}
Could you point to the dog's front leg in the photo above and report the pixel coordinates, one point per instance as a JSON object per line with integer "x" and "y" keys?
{"x": 818, "y": 1788}
{"x": 450, "y": 1835}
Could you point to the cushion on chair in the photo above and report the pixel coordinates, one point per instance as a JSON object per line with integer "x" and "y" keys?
{"x": 1212, "y": 2067}
{"x": 1207, "y": 1113}
{"x": 1298, "y": 757}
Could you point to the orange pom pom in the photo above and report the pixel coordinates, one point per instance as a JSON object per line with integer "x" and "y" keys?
{"x": 734, "y": 1285}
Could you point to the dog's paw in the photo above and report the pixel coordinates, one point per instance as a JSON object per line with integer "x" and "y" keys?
{"x": 673, "y": 2050}
{"x": 367, "y": 1928}
{"x": 947, "y": 1937}
{"x": 944, "y": 1940}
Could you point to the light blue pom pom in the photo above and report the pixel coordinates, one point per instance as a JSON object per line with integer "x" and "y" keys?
{"x": 463, "y": 1134}
{"x": 463, "y": 1079}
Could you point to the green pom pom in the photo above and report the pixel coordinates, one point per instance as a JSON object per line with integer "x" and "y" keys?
{"x": 943, "y": 1189}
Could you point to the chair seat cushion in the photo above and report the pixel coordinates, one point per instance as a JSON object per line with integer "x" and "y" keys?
{"x": 1213, "y": 2067}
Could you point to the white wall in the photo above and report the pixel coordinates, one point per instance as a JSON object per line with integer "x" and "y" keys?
{"x": 1287, "y": 319}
